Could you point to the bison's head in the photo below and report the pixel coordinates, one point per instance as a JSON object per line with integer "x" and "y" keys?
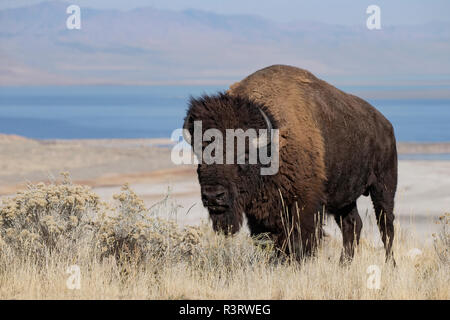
{"x": 228, "y": 188}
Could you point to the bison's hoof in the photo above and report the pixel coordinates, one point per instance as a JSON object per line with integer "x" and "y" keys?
{"x": 390, "y": 260}
{"x": 345, "y": 260}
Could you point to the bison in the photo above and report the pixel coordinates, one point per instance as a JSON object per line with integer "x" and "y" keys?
{"x": 333, "y": 147}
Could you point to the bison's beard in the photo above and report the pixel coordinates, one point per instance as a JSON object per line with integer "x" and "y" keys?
{"x": 228, "y": 222}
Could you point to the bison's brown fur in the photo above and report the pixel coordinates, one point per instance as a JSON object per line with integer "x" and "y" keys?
{"x": 334, "y": 147}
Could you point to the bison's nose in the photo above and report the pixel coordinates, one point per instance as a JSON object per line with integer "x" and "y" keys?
{"x": 214, "y": 195}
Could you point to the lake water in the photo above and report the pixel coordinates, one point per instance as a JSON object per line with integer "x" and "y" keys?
{"x": 150, "y": 112}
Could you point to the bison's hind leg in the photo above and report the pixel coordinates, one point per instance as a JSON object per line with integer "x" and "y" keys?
{"x": 383, "y": 202}
{"x": 350, "y": 223}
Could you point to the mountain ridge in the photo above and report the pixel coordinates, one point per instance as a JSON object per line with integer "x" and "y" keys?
{"x": 154, "y": 46}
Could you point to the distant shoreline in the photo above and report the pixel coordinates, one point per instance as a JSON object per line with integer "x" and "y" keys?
{"x": 402, "y": 147}
{"x": 423, "y": 147}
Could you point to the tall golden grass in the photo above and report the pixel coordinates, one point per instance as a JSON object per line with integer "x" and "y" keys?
{"x": 126, "y": 251}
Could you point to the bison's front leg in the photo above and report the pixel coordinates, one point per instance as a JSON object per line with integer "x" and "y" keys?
{"x": 350, "y": 222}
{"x": 301, "y": 234}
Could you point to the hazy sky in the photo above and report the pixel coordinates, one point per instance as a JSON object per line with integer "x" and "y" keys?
{"x": 350, "y": 12}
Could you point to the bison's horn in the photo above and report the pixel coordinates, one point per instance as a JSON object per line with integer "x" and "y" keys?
{"x": 262, "y": 141}
{"x": 186, "y": 133}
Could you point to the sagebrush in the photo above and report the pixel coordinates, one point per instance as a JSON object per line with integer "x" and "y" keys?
{"x": 125, "y": 250}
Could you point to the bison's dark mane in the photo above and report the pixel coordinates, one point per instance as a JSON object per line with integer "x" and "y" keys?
{"x": 223, "y": 112}
{"x": 209, "y": 108}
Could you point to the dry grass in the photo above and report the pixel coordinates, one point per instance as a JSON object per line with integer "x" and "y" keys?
{"x": 127, "y": 251}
